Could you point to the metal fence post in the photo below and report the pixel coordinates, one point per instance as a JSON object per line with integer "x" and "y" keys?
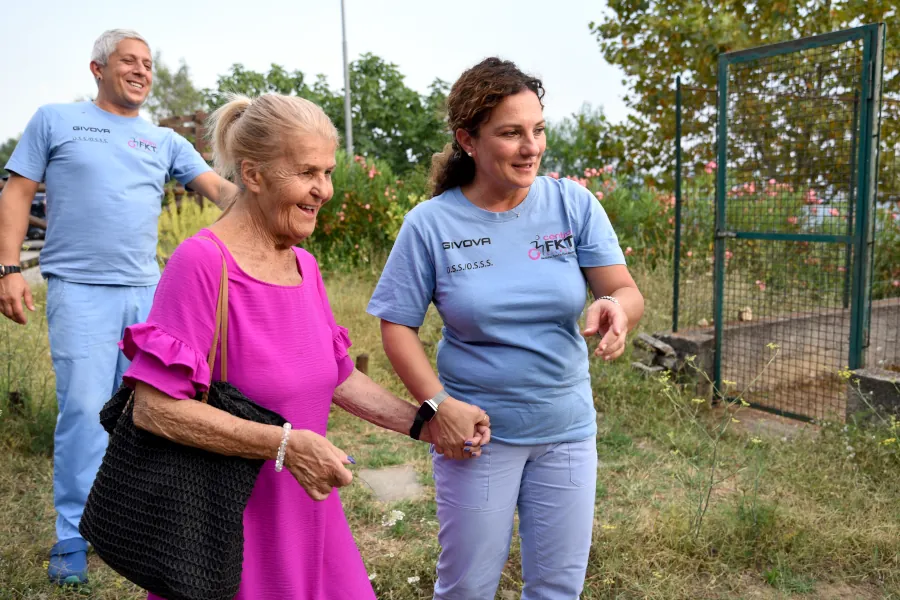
{"x": 677, "y": 257}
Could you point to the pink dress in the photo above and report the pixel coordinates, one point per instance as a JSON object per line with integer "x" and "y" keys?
{"x": 286, "y": 353}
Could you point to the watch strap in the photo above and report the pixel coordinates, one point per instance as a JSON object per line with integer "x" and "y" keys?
{"x": 422, "y": 415}
{"x": 9, "y": 269}
{"x": 416, "y": 430}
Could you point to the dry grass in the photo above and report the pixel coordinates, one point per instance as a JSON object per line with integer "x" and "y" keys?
{"x": 825, "y": 524}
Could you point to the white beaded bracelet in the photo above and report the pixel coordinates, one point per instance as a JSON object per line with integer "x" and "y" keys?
{"x": 285, "y": 434}
{"x": 610, "y": 298}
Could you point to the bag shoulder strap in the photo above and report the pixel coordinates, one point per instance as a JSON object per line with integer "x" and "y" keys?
{"x": 221, "y": 330}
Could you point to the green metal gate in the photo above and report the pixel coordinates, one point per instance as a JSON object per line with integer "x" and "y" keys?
{"x": 798, "y": 126}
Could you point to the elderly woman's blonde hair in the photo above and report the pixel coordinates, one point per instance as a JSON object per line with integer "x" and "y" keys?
{"x": 261, "y": 129}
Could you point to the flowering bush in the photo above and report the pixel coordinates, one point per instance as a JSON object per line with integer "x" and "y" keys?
{"x": 364, "y": 216}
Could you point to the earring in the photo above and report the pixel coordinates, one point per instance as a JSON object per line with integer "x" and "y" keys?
{"x": 469, "y": 153}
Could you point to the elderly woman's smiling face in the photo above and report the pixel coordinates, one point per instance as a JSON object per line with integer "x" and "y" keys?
{"x": 293, "y": 189}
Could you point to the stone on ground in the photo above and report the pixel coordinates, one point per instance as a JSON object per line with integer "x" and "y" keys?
{"x": 392, "y": 483}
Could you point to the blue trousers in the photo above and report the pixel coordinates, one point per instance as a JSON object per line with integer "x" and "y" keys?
{"x": 85, "y": 324}
{"x": 554, "y": 488}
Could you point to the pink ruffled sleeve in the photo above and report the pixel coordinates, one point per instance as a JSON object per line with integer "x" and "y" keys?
{"x": 340, "y": 337}
{"x": 169, "y": 351}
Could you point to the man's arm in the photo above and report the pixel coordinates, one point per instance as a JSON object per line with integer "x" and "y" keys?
{"x": 15, "y": 207}
{"x": 211, "y": 185}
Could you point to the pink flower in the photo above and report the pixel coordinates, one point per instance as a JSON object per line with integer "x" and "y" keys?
{"x": 690, "y": 253}
{"x": 772, "y": 182}
{"x": 761, "y": 284}
{"x": 842, "y": 269}
{"x": 628, "y": 251}
{"x": 834, "y": 212}
{"x": 671, "y": 220}
{"x": 729, "y": 255}
{"x": 608, "y": 169}
{"x": 368, "y": 206}
{"x": 895, "y": 283}
{"x": 553, "y": 174}
{"x": 373, "y": 172}
{"x": 792, "y": 220}
{"x": 751, "y": 188}
{"x": 356, "y": 246}
{"x": 810, "y": 197}
{"x": 710, "y": 166}
{"x": 599, "y": 195}
{"x": 813, "y": 210}
{"x": 342, "y": 217}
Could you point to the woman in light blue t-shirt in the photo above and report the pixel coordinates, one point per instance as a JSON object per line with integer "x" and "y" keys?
{"x": 507, "y": 258}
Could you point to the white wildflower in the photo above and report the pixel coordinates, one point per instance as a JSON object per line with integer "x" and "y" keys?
{"x": 390, "y": 521}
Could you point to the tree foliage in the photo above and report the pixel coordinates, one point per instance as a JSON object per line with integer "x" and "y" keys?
{"x": 6, "y": 150}
{"x": 391, "y": 121}
{"x": 582, "y": 141}
{"x": 653, "y": 42}
{"x": 173, "y": 92}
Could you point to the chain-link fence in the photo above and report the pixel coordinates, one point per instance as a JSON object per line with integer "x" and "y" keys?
{"x": 884, "y": 333}
{"x": 788, "y": 208}
{"x": 695, "y": 205}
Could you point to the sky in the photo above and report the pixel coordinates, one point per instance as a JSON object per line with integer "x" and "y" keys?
{"x": 46, "y": 44}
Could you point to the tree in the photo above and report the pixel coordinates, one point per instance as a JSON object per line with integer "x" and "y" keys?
{"x": 173, "y": 93}
{"x": 652, "y": 42}
{"x": 390, "y": 121}
{"x": 584, "y": 140}
{"x": 6, "y": 150}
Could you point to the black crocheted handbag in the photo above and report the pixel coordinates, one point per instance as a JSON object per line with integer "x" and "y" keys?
{"x": 169, "y": 517}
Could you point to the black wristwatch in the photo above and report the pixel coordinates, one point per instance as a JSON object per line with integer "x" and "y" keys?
{"x": 9, "y": 269}
{"x": 426, "y": 413}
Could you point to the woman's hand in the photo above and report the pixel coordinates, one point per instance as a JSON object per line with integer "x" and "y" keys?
{"x": 316, "y": 463}
{"x": 471, "y": 447}
{"x": 453, "y": 428}
{"x": 607, "y": 319}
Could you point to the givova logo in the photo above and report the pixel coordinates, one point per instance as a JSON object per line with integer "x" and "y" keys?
{"x": 91, "y": 129}
{"x": 466, "y": 243}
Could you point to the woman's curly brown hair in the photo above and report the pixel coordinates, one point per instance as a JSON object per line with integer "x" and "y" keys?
{"x": 471, "y": 100}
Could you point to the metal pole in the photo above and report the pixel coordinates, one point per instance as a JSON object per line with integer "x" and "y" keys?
{"x": 348, "y": 116}
{"x": 676, "y": 296}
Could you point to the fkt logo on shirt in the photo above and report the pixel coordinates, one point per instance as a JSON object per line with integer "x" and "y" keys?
{"x": 142, "y": 144}
{"x": 466, "y": 243}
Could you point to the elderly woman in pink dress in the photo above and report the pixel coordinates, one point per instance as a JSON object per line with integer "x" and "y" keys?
{"x": 285, "y": 352}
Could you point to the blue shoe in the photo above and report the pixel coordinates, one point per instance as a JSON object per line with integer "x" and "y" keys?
{"x": 68, "y": 562}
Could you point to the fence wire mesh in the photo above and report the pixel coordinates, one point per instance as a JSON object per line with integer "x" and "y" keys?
{"x": 793, "y": 125}
{"x": 792, "y": 142}
{"x": 697, "y": 205}
{"x": 884, "y": 333}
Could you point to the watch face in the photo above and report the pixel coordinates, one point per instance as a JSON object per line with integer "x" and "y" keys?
{"x": 427, "y": 411}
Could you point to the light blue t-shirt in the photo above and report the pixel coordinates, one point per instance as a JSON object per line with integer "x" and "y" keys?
{"x": 510, "y": 290}
{"x": 104, "y": 176}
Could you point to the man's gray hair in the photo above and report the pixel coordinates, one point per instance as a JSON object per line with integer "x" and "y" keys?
{"x": 109, "y": 40}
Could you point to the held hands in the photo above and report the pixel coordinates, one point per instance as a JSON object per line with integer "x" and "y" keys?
{"x": 607, "y": 319}
{"x": 316, "y": 463}
{"x": 458, "y": 430}
{"x": 13, "y": 288}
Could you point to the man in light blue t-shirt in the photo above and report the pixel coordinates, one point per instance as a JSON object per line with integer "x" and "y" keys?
{"x": 104, "y": 168}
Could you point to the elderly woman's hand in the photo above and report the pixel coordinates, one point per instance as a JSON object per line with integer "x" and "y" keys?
{"x": 471, "y": 447}
{"x": 454, "y": 425}
{"x": 316, "y": 463}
